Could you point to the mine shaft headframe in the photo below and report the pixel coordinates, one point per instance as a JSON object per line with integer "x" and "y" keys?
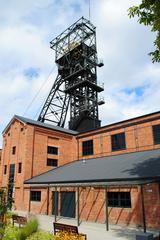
{"x": 80, "y": 31}
{"x": 76, "y": 83}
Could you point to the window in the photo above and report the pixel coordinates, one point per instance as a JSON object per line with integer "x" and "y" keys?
{"x": 35, "y": 196}
{"x": 156, "y": 134}
{"x": 87, "y": 148}
{"x": 119, "y": 199}
{"x": 19, "y": 167}
{"x": 52, "y": 162}
{"x": 52, "y": 150}
{"x": 118, "y": 141}
{"x": 5, "y": 169}
{"x": 14, "y": 150}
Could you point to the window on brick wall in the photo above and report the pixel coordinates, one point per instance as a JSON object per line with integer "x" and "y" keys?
{"x": 19, "y": 167}
{"x": 156, "y": 134}
{"x": 52, "y": 162}
{"x": 87, "y": 148}
{"x": 119, "y": 199}
{"x": 14, "y": 150}
{"x": 35, "y": 196}
{"x": 5, "y": 169}
{"x": 118, "y": 141}
{"x": 52, "y": 150}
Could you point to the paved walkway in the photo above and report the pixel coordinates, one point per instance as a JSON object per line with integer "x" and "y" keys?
{"x": 94, "y": 231}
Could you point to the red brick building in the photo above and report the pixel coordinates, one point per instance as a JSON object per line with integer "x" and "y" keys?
{"x": 31, "y": 148}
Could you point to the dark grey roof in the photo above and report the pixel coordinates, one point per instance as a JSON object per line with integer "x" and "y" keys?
{"x": 40, "y": 124}
{"x": 119, "y": 168}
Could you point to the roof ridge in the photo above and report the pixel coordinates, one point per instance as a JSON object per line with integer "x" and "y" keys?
{"x": 40, "y": 124}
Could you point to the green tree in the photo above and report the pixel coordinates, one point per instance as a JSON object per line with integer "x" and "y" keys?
{"x": 5, "y": 205}
{"x": 148, "y": 13}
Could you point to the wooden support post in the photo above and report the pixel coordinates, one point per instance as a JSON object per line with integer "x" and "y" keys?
{"x": 106, "y": 201}
{"x": 55, "y": 205}
{"x": 29, "y": 205}
{"x": 47, "y": 200}
{"x": 143, "y": 209}
{"x": 78, "y": 222}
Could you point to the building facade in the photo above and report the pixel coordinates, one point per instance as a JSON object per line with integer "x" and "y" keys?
{"x": 31, "y": 148}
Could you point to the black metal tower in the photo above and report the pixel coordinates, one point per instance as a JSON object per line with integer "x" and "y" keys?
{"x": 76, "y": 83}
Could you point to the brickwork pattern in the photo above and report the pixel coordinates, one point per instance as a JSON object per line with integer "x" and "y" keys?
{"x": 31, "y": 144}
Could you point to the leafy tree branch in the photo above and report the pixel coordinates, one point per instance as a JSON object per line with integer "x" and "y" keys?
{"x": 148, "y": 13}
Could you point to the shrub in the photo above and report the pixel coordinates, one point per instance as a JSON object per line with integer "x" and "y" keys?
{"x": 11, "y": 233}
{"x": 41, "y": 235}
{"x": 1, "y": 232}
{"x": 28, "y": 229}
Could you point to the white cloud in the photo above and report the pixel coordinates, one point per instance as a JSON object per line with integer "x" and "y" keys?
{"x": 27, "y": 27}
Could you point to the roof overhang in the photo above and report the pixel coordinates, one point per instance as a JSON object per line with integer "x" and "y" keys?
{"x": 102, "y": 184}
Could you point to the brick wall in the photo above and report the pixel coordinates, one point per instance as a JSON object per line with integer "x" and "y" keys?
{"x": 138, "y": 137}
{"x": 31, "y": 150}
{"x": 93, "y": 207}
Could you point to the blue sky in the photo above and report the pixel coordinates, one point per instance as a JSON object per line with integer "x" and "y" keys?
{"x": 132, "y": 84}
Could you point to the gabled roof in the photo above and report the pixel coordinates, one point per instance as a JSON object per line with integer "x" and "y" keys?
{"x": 40, "y": 124}
{"x": 130, "y": 167}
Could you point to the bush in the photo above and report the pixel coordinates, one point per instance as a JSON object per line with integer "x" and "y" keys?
{"x": 1, "y": 232}
{"x": 29, "y": 228}
{"x": 15, "y": 233}
{"x": 41, "y": 235}
{"x": 11, "y": 233}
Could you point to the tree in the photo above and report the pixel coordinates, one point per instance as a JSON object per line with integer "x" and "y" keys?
{"x": 148, "y": 13}
{"x": 5, "y": 205}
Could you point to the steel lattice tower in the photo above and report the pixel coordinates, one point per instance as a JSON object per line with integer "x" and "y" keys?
{"x": 75, "y": 87}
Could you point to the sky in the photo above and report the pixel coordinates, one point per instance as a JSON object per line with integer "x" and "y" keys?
{"x": 28, "y": 70}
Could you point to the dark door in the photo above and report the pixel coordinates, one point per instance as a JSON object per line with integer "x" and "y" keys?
{"x": 68, "y": 204}
{"x": 11, "y": 180}
{"x": 54, "y": 198}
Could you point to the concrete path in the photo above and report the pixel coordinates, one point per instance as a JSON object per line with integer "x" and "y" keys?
{"x": 94, "y": 231}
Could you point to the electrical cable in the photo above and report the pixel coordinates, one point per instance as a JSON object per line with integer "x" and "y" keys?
{"x": 46, "y": 80}
{"x": 89, "y": 10}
